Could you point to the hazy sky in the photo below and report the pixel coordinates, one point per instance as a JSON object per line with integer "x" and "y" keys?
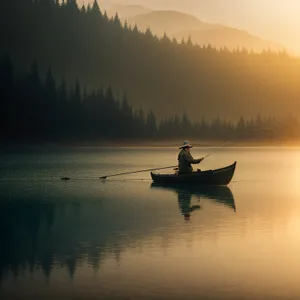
{"x": 275, "y": 20}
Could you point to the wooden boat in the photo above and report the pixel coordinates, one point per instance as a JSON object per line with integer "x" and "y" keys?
{"x": 221, "y": 194}
{"x": 220, "y": 176}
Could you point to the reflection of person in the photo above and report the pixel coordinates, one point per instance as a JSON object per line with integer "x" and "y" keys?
{"x": 185, "y": 159}
{"x": 184, "y": 202}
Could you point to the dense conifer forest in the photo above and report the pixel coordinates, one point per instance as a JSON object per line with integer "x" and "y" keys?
{"x": 71, "y": 73}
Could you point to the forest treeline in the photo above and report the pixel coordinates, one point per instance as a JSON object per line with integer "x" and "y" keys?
{"x": 159, "y": 74}
{"x": 38, "y": 108}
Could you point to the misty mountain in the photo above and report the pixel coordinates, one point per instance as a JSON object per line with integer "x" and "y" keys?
{"x": 170, "y": 22}
{"x": 155, "y": 73}
{"x": 127, "y": 11}
{"x": 231, "y": 38}
{"x": 182, "y": 26}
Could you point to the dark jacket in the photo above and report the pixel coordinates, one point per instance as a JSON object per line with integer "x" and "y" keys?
{"x": 185, "y": 159}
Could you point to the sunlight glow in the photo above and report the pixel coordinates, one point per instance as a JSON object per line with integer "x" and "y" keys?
{"x": 275, "y": 20}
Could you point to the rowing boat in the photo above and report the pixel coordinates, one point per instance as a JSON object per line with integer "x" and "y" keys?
{"x": 220, "y": 176}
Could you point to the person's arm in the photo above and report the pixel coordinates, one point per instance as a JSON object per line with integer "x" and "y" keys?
{"x": 197, "y": 161}
{"x": 189, "y": 158}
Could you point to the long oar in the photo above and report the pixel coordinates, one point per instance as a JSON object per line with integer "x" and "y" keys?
{"x": 126, "y": 173}
{"x": 133, "y": 172}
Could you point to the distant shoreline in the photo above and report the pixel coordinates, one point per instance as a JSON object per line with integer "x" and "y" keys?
{"x": 149, "y": 144}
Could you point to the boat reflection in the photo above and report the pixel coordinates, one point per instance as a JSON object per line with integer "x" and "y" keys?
{"x": 220, "y": 194}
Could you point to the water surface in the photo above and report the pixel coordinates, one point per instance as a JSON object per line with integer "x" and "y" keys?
{"x": 125, "y": 238}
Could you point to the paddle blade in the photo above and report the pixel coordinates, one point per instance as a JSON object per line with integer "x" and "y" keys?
{"x": 65, "y": 178}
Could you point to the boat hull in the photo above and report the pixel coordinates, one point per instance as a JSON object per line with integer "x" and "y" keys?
{"x": 220, "y": 176}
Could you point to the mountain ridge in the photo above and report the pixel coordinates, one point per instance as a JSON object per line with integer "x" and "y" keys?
{"x": 156, "y": 73}
{"x": 180, "y": 25}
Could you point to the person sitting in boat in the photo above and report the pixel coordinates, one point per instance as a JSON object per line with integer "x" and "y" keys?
{"x": 185, "y": 159}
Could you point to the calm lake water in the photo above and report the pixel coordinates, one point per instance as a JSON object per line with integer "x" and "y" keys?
{"x": 124, "y": 238}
